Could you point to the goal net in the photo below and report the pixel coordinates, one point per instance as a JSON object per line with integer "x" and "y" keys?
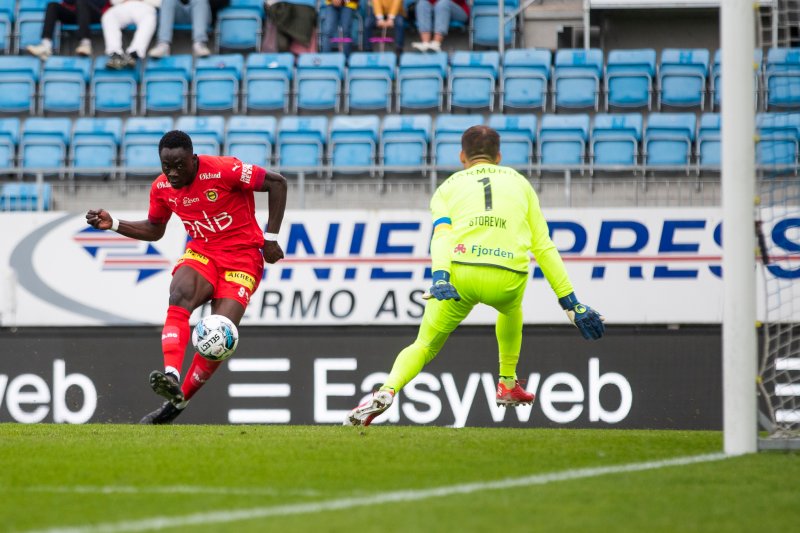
{"x": 778, "y": 232}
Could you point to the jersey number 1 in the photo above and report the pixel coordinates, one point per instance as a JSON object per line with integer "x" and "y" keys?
{"x": 487, "y": 193}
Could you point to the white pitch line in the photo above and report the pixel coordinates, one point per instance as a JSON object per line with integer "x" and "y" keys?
{"x": 221, "y": 517}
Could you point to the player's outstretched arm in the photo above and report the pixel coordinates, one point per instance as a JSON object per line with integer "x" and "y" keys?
{"x": 275, "y": 186}
{"x": 588, "y": 321}
{"x": 143, "y": 230}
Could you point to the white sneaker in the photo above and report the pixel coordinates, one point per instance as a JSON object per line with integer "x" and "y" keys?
{"x": 158, "y": 51}
{"x": 367, "y": 411}
{"x": 84, "y": 48}
{"x": 421, "y": 47}
{"x": 200, "y": 49}
{"x": 41, "y": 50}
{"x": 435, "y": 46}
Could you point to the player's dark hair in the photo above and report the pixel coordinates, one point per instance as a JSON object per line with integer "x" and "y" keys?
{"x": 176, "y": 139}
{"x": 480, "y": 142}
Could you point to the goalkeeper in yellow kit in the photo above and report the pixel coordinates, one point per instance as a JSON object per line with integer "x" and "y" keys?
{"x": 486, "y": 219}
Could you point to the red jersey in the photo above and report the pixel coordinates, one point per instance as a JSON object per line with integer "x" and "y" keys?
{"x": 217, "y": 208}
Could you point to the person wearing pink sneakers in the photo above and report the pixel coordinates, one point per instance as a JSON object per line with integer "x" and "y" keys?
{"x": 486, "y": 220}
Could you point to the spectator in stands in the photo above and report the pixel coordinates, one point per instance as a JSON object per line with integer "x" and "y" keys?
{"x": 386, "y": 15}
{"x": 434, "y": 16}
{"x": 336, "y": 14}
{"x": 200, "y": 13}
{"x": 122, "y": 13}
{"x": 80, "y": 12}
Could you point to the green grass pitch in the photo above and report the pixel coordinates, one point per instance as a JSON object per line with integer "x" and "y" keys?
{"x": 323, "y": 478}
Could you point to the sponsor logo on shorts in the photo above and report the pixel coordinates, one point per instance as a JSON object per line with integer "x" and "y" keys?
{"x": 247, "y": 172}
{"x": 212, "y": 195}
{"x": 242, "y": 278}
{"x": 210, "y": 175}
{"x": 191, "y": 254}
{"x": 189, "y": 201}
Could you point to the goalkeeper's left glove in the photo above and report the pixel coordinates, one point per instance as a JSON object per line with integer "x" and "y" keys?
{"x": 442, "y": 289}
{"x": 588, "y": 321}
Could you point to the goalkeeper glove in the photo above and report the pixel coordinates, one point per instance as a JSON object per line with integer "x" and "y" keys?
{"x": 588, "y": 321}
{"x": 442, "y": 289}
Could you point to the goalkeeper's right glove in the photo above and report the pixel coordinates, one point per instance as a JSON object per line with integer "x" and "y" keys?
{"x": 442, "y": 289}
{"x": 588, "y": 321}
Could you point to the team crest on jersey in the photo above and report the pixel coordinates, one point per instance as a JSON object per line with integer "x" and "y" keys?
{"x": 212, "y": 195}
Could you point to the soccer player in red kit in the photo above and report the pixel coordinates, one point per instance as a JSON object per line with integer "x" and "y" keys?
{"x": 224, "y": 260}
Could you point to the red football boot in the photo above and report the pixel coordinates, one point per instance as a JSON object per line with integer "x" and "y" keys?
{"x": 515, "y": 396}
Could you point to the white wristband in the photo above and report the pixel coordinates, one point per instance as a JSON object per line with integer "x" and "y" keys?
{"x": 114, "y": 224}
{"x": 270, "y": 236}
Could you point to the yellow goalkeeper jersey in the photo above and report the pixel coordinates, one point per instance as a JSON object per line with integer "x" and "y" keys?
{"x": 490, "y": 215}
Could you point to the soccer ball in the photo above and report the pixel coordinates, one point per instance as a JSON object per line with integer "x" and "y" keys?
{"x": 215, "y": 337}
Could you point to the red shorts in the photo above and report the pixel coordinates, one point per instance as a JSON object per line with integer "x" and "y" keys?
{"x": 233, "y": 275}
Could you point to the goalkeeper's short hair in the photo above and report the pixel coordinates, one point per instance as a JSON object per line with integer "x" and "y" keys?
{"x": 480, "y": 141}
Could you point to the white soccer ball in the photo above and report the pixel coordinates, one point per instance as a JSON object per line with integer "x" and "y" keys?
{"x": 215, "y": 337}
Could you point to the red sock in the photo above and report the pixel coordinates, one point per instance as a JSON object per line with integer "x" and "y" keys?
{"x": 175, "y": 336}
{"x": 200, "y": 372}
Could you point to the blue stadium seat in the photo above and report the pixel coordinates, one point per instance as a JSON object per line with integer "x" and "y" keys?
{"x": 217, "y": 79}
{"x": 668, "y": 140}
{"x": 447, "y": 139}
{"x": 64, "y": 83}
{"x": 44, "y": 143}
{"x": 301, "y": 143}
{"x": 353, "y": 144}
{"x": 370, "y": 76}
{"x": 472, "y": 80}
{"x": 165, "y": 84}
{"x": 526, "y": 75}
{"x": 95, "y": 144}
{"x": 318, "y": 81}
{"x": 9, "y": 138}
{"x": 782, "y": 78}
{"x": 7, "y": 9}
{"x": 517, "y": 139}
{"x": 26, "y": 197}
{"x": 682, "y": 77}
{"x": 239, "y": 25}
{"x": 18, "y": 78}
{"x": 484, "y": 25}
{"x": 404, "y": 142}
{"x": 615, "y": 140}
{"x": 251, "y": 139}
{"x": 778, "y": 139}
{"x": 708, "y": 141}
{"x": 629, "y": 78}
{"x": 715, "y": 81}
{"x": 207, "y": 133}
{"x": 576, "y": 78}
{"x": 28, "y": 24}
{"x": 113, "y": 91}
{"x": 563, "y": 141}
{"x": 268, "y": 81}
{"x": 140, "y": 144}
{"x": 420, "y": 80}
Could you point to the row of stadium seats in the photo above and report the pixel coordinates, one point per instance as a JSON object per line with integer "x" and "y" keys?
{"x": 367, "y": 81}
{"x": 238, "y": 27}
{"x": 369, "y": 144}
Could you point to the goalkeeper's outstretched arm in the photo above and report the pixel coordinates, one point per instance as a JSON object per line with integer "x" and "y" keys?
{"x": 588, "y": 321}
